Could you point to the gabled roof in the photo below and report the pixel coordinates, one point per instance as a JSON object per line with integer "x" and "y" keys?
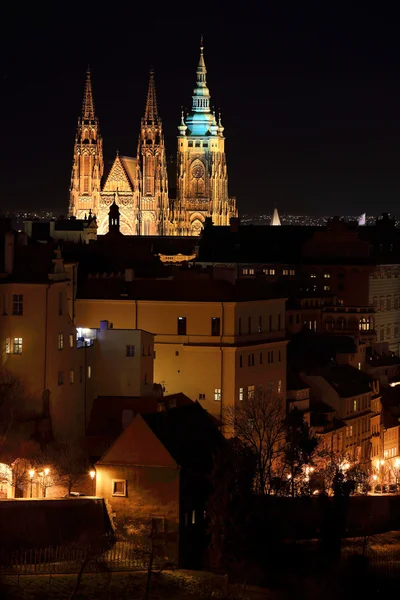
{"x": 187, "y": 436}
{"x": 138, "y": 445}
{"x": 347, "y": 381}
{"x": 123, "y": 171}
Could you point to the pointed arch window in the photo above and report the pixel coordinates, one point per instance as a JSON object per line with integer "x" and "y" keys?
{"x": 198, "y": 179}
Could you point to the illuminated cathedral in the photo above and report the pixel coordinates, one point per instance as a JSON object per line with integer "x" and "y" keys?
{"x": 139, "y": 185}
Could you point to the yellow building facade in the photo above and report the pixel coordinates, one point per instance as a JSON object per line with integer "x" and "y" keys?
{"x": 218, "y": 353}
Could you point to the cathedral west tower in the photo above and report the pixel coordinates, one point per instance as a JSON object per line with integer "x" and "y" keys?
{"x": 153, "y": 213}
{"x": 202, "y": 178}
{"x": 88, "y": 165}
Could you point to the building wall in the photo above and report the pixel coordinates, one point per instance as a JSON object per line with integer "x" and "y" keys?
{"x": 49, "y": 359}
{"x": 384, "y": 295}
{"x": 118, "y": 374}
{"x": 205, "y": 367}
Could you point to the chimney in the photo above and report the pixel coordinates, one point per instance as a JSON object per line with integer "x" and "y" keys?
{"x": 128, "y": 274}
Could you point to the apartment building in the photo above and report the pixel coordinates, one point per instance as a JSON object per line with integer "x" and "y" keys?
{"x": 355, "y": 398}
{"x": 215, "y": 341}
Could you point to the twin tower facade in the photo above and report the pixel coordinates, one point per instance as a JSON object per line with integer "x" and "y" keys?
{"x": 139, "y": 184}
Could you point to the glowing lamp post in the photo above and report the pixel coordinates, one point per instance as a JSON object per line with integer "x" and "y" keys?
{"x": 31, "y": 475}
{"x": 45, "y": 474}
{"x": 92, "y": 474}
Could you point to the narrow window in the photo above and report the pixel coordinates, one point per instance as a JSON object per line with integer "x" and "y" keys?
{"x": 240, "y": 326}
{"x": 60, "y": 377}
{"x": 60, "y": 341}
{"x": 181, "y": 325}
{"x": 215, "y": 326}
{"x": 130, "y": 351}
{"x": 240, "y": 361}
{"x": 217, "y": 394}
{"x": 71, "y": 376}
{"x": 18, "y": 305}
{"x": 71, "y": 340}
{"x": 17, "y": 345}
{"x": 80, "y": 374}
{"x": 241, "y": 394}
{"x": 261, "y": 358}
{"x": 260, "y": 324}
{"x": 89, "y": 371}
{"x": 249, "y": 320}
{"x": 60, "y": 303}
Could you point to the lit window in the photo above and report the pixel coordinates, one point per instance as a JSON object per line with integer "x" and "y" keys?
{"x": 359, "y": 366}
{"x": 8, "y": 345}
{"x": 215, "y": 326}
{"x": 193, "y": 517}
{"x": 292, "y": 272}
{"x": 60, "y": 341}
{"x": 241, "y": 394}
{"x": 71, "y": 340}
{"x": 89, "y": 372}
{"x": 245, "y": 271}
{"x": 313, "y": 275}
{"x": 327, "y": 275}
{"x": 355, "y": 405}
{"x": 181, "y": 325}
{"x": 279, "y": 386}
{"x": 285, "y": 272}
{"x": 251, "y": 271}
{"x": 250, "y": 392}
{"x": 17, "y": 345}
{"x": 119, "y": 487}
{"x": 71, "y": 376}
{"x": 130, "y": 351}
{"x": 326, "y": 288}
{"x": 272, "y": 271}
{"x": 217, "y": 394}
{"x": 160, "y": 407}
{"x": 18, "y": 304}
{"x": 60, "y": 377}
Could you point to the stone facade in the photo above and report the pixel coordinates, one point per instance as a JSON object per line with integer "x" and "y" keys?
{"x": 139, "y": 185}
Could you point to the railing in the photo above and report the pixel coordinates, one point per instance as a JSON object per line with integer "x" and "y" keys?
{"x": 121, "y": 556}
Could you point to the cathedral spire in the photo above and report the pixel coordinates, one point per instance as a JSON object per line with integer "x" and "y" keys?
{"x": 151, "y": 112}
{"x": 201, "y": 94}
{"x": 88, "y": 104}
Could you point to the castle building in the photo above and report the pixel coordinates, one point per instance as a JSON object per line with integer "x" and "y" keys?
{"x": 139, "y": 185}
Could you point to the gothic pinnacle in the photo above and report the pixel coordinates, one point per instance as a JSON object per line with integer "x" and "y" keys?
{"x": 151, "y": 112}
{"x": 88, "y": 104}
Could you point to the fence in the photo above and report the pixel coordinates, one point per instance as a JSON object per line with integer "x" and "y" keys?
{"x": 121, "y": 556}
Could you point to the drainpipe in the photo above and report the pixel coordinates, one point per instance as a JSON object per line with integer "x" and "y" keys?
{"x": 45, "y": 340}
{"x": 222, "y": 359}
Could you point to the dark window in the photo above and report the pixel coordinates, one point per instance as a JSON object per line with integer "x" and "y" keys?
{"x": 80, "y": 374}
{"x": 279, "y": 322}
{"x": 60, "y": 377}
{"x": 130, "y": 351}
{"x": 240, "y": 361}
{"x": 18, "y": 304}
{"x": 270, "y": 322}
{"x": 176, "y": 352}
{"x": 260, "y": 324}
{"x": 249, "y": 360}
{"x": 297, "y": 319}
{"x": 215, "y": 326}
{"x": 181, "y": 325}
{"x": 60, "y": 303}
{"x": 240, "y": 326}
{"x": 291, "y": 320}
{"x": 249, "y": 324}
{"x": 252, "y": 359}
{"x": 261, "y": 358}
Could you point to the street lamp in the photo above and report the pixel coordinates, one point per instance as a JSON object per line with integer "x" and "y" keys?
{"x": 92, "y": 474}
{"x": 31, "y": 474}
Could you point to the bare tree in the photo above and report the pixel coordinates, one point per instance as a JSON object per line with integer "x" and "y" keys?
{"x": 258, "y": 421}
{"x": 71, "y": 465}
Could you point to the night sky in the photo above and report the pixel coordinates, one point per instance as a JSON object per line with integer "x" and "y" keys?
{"x": 310, "y": 100}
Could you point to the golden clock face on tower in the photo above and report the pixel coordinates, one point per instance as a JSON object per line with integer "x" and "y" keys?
{"x": 198, "y": 171}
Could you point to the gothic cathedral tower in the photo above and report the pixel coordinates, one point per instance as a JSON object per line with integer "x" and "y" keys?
{"x": 87, "y": 168}
{"x": 153, "y": 213}
{"x": 202, "y": 178}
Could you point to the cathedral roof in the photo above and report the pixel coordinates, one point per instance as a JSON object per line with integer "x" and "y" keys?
{"x": 130, "y": 165}
{"x": 123, "y": 169}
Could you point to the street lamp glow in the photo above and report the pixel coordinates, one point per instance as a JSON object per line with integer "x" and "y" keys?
{"x": 31, "y": 473}
{"x": 92, "y": 474}
{"x": 46, "y": 471}
{"x": 375, "y": 477}
{"x": 397, "y": 462}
